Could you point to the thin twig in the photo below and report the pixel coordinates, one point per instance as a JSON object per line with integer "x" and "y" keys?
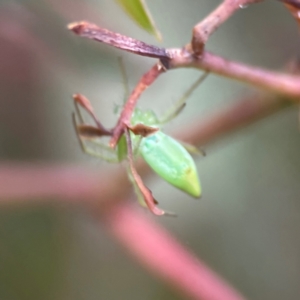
{"x": 210, "y": 24}
{"x": 230, "y": 118}
{"x": 124, "y": 119}
{"x": 281, "y": 83}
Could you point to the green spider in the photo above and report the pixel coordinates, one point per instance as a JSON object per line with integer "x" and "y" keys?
{"x": 170, "y": 159}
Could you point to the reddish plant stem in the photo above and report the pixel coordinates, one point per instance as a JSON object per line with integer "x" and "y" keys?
{"x": 165, "y": 257}
{"x": 124, "y": 120}
{"x": 211, "y": 23}
{"x": 22, "y": 184}
{"x": 284, "y": 84}
{"x": 228, "y": 119}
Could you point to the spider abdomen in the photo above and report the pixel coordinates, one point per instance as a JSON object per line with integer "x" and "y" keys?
{"x": 171, "y": 161}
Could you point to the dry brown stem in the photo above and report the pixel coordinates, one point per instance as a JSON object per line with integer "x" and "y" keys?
{"x": 94, "y": 32}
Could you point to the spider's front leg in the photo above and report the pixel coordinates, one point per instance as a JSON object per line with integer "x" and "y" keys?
{"x": 90, "y": 134}
{"x": 178, "y": 107}
{"x": 181, "y": 102}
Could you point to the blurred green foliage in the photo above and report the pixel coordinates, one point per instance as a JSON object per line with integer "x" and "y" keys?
{"x": 139, "y": 12}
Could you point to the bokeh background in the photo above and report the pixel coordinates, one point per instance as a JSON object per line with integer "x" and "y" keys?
{"x": 246, "y": 226}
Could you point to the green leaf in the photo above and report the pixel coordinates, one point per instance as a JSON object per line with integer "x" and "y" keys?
{"x": 139, "y": 12}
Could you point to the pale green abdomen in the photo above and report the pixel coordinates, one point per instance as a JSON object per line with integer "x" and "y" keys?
{"x": 170, "y": 160}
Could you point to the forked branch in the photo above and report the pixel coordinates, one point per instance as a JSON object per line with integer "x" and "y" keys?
{"x": 276, "y": 82}
{"x": 212, "y": 22}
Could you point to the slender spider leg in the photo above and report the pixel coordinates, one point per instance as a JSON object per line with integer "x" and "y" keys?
{"x": 137, "y": 146}
{"x": 179, "y": 106}
{"x": 124, "y": 79}
{"x": 147, "y": 194}
{"x": 86, "y": 105}
{"x": 180, "y": 103}
{"x": 135, "y": 187}
{"x": 192, "y": 149}
{"x": 102, "y": 146}
{"x": 78, "y": 113}
{"x": 118, "y": 107}
{"x": 81, "y": 122}
{"x": 89, "y": 150}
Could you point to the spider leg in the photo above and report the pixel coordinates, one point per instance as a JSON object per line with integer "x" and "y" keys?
{"x": 192, "y": 149}
{"x": 181, "y": 102}
{"x": 124, "y": 78}
{"x": 90, "y": 151}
